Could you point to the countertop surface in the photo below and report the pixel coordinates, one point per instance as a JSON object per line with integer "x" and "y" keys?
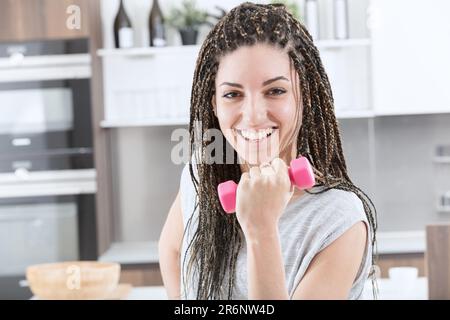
{"x": 148, "y": 293}
{"x": 398, "y": 290}
{"x": 388, "y": 290}
{"x": 147, "y": 251}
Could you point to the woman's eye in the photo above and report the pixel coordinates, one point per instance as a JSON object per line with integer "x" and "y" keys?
{"x": 231, "y": 95}
{"x": 276, "y": 92}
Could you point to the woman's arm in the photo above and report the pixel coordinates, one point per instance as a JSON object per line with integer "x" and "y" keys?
{"x": 332, "y": 272}
{"x": 266, "y": 275}
{"x": 329, "y": 276}
{"x": 169, "y": 248}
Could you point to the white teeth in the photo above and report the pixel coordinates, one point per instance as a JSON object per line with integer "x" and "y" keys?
{"x": 256, "y": 134}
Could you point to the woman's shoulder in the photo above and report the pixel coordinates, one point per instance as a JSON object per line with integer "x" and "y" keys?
{"x": 338, "y": 199}
{"x": 330, "y": 207}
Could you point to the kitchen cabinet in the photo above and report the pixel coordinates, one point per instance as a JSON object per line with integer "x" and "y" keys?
{"x": 387, "y": 261}
{"x": 153, "y": 92}
{"x": 140, "y": 275}
{"x": 24, "y": 20}
{"x": 410, "y": 56}
{"x": 138, "y": 260}
{"x": 437, "y": 260}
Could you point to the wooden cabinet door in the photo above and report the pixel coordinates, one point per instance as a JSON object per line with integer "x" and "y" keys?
{"x": 66, "y": 19}
{"x": 25, "y": 20}
{"x": 411, "y": 56}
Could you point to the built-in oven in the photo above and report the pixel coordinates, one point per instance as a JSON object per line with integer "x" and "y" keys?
{"x": 47, "y": 175}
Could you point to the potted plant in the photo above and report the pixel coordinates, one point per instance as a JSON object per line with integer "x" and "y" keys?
{"x": 291, "y": 6}
{"x": 187, "y": 19}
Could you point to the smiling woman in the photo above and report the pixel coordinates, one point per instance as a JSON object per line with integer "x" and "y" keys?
{"x": 260, "y": 80}
{"x": 257, "y": 109}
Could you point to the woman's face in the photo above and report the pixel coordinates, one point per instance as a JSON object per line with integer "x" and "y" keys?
{"x": 256, "y": 94}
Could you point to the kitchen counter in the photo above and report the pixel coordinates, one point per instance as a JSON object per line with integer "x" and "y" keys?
{"x": 141, "y": 293}
{"x": 389, "y": 290}
{"x": 147, "y": 293}
{"x": 132, "y": 253}
{"x": 147, "y": 251}
{"x": 401, "y": 242}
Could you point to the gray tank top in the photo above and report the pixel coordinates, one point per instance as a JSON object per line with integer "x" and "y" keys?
{"x": 308, "y": 225}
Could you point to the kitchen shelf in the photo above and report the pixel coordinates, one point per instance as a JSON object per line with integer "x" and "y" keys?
{"x": 132, "y": 253}
{"x": 144, "y": 123}
{"x": 146, "y": 252}
{"x": 42, "y": 68}
{"x": 401, "y": 242}
{"x": 410, "y": 112}
{"x": 352, "y": 114}
{"x": 347, "y": 114}
{"x": 344, "y": 43}
{"x": 151, "y": 51}
{"x": 146, "y": 51}
{"x": 444, "y": 159}
{"x": 48, "y": 183}
{"x": 443, "y": 209}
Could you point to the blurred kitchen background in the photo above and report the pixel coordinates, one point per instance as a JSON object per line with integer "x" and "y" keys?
{"x": 86, "y": 127}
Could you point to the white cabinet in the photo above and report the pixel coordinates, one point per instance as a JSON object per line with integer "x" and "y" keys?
{"x": 147, "y": 86}
{"x": 346, "y": 63}
{"x": 410, "y": 56}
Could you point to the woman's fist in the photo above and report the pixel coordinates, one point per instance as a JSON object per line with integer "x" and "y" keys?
{"x": 261, "y": 197}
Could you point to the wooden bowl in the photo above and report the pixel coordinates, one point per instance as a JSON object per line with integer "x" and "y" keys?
{"x": 77, "y": 280}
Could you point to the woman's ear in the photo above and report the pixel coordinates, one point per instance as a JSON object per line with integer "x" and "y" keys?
{"x": 213, "y": 104}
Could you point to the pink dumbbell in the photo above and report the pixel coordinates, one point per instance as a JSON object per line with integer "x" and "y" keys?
{"x": 300, "y": 173}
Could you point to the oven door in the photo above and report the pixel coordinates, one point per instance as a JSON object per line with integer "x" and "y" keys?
{"x": 45, "y": 114}
{"x": 43, "y": 229}
{"x": 46, "y": 128}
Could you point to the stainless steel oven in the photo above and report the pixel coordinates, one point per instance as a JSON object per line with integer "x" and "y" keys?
{"x": 47, "y": 175}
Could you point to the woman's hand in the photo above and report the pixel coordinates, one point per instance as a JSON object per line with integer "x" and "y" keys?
{"x": 262, "y": 196}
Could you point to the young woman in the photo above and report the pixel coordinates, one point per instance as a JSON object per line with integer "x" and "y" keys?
{"x": 259, "y": 79}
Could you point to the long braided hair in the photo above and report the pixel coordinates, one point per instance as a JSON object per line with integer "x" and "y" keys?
{"x": 217, "y": 240}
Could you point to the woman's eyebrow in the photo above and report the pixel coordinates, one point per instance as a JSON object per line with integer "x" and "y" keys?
{"x": 265, "y": 83}
{"x": 237, "y": 85}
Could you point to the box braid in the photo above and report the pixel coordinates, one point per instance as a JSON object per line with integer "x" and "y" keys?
{"x": 218, "y": 238}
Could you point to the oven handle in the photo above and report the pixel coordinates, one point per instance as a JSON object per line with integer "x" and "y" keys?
{"x": 49, "y": 183}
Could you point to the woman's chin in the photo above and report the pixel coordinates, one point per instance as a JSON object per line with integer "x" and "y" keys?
{"x": 258, "y": 152}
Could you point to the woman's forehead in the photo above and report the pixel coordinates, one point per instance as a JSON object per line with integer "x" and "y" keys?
{"x": 256, "y": 61}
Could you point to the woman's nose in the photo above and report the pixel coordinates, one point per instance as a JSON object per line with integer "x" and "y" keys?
{"x": 254, "y": 112}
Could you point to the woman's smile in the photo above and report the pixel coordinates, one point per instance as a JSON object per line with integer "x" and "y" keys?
{"x": 255, "y": 135}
